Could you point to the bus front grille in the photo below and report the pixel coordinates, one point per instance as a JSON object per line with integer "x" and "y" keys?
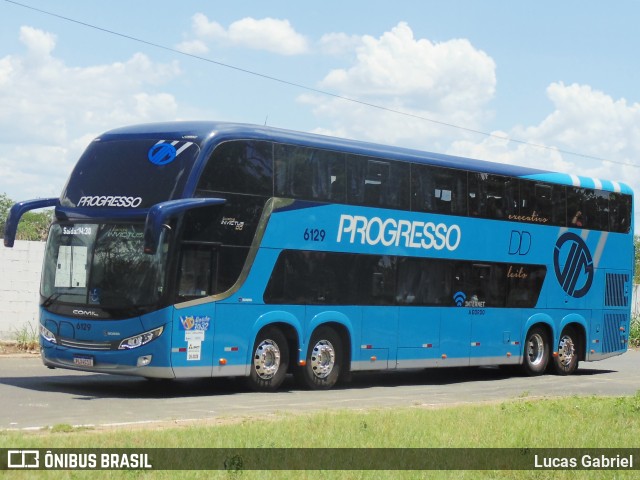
{"x": 84, "y": 345}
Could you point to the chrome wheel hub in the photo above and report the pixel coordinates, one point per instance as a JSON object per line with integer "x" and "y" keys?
{"x": 323, "y": 359}
{"x": 266, "y": 359}
{"x": 535, "y": 350}
{"x": 566, "y": 350}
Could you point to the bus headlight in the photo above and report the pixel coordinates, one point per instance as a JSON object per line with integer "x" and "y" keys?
{"x": 47, "y": 335}
{"x": 139, "y": 340}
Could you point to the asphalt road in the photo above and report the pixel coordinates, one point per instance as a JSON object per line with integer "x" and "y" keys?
{"x": 32, "y": 396}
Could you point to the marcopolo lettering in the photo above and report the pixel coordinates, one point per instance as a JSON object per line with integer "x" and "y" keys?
{"x": 397, "y": 232}
{"x": 109, "y": 201}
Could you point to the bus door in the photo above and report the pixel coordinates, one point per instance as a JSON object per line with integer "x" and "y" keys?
{"x": 192, "y": 339}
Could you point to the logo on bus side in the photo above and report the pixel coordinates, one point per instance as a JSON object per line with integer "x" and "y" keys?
{"x": 392, "y": 232}
{"x": 576, "y": 275}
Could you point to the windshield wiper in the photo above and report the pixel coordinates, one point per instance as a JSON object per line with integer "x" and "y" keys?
{"x": 50, "y": 299}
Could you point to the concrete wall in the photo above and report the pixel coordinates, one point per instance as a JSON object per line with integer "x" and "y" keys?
{"x": 20, "y": 269}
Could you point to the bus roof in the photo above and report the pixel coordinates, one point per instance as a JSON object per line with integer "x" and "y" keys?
{"x": 209, "y": 133}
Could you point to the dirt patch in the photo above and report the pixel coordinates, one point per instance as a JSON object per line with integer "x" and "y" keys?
{"x": 14, "y": 348}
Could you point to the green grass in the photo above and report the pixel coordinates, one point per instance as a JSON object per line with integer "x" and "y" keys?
{"x": 27, "y": 338}
{"x": 634, "y": 333}
{"x": 585, "y": 422}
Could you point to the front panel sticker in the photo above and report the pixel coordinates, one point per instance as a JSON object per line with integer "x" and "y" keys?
{"x": 191, "y": 322}
{"x": 195, "y": 328}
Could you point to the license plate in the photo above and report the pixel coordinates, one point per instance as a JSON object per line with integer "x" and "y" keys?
{"x": 83, "y": 361}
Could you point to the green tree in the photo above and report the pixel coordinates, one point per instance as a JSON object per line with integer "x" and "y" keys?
{"x": 33, "y": 226}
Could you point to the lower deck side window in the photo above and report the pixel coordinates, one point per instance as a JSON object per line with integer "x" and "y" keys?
{"x": 328, "y": 278}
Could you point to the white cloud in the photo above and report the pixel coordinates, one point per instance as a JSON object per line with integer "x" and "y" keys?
{"x": 584, "y": 116}
{"x": 268, "y": 34}
{"x": 453, "y": 82}
{"x": 205, "y": 29}
{"x": 50, "y": 110}
{"x": 339, "y": 43}
{"x": 194, "y": 47}
{"x": 584, "y": 121}
{"x": 38, "y": 43}
{"x": 450, "y": 81}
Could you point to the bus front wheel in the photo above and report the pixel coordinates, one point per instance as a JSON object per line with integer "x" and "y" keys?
{"x": 323, "y": 361}
{"x": 536, "y": 351}
{"x": 270, "y": 360}
{"x": 566, "y": 361}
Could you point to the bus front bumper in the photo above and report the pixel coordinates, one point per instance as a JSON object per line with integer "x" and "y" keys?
{"x": 134, "y": 363}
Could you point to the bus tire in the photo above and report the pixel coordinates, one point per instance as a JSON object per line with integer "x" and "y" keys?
{"x": 536, "y": 351}
{"x": 324, "y": 360}
{"x": 270, "y": 360}
{"x": 566, "y": 361}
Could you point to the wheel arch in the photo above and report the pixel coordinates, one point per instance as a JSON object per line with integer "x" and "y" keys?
{"x": 539, "y": 319}
{"x": 579, "y": 325}
{"x": 287, "y": 323}
{"x": 343, "y": 327}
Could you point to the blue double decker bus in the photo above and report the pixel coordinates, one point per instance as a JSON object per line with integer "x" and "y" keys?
{"x": 204, "y": 249}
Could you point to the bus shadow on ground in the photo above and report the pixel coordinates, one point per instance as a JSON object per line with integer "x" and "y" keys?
{"x": 446, "y": 376}
{"x": 100, "y": 386}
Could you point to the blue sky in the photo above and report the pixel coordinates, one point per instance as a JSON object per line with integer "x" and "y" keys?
{"x": 560, "y": 74}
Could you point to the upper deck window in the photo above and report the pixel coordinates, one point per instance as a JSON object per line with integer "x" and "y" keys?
{"x": 244, "y": 166}
{"x": 309, "y": 173}
{"x": 438, "y": 190}
{"x": 492, "y": 196}
{"x": 377, "y": 182}
{"x": 266, "y": 168}
{"x": 135, "y": 173}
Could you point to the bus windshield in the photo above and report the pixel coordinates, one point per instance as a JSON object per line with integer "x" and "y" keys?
{"x": 157, "y": 171}
{"x": 102, "y": 265}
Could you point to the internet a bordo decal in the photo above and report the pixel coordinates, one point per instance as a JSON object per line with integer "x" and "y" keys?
{"x": 573, "y": 265}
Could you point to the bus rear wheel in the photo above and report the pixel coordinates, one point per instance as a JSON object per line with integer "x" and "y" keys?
{"x": 324, "y": 360}
{"x": 270, "y": 360}
{"x": 566, "y": 361}
{"x": 536, "y": 352}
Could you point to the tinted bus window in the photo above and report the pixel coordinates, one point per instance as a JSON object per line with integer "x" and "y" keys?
{"x": 376, "y": 279}
{"x": 524, "y": 283}
{"x": 312, "y": 278}
{"x": 206, "y": 269}
{"x": 492, "y": 196}
{"x": 482, "y": 285}
{"x": 619, "y": 212}
{"x": 234, "y": 223}
{"x": 240, "y": 167}
{"x": 309, "y": 173}
{"x": 423, "y": 282}
{"x": 543, "y": 203}
{"x": 148, "y": 180}
{"x": 438, "y": 190}
{"x": 377, "y": 183}
{"x": 587, "y": 208}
